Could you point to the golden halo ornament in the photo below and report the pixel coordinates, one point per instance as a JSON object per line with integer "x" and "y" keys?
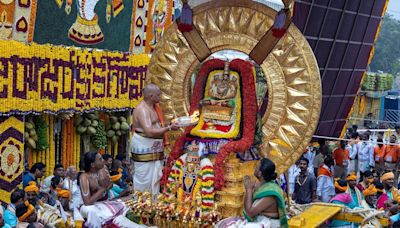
{"x": 290, "y": 68}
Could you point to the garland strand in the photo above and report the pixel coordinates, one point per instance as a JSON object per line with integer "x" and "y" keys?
{"x": 249, "y": 117}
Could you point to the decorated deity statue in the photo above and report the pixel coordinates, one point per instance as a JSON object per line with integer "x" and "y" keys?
{"x": 159, "y": 17}
{"x": 192, "y": 176}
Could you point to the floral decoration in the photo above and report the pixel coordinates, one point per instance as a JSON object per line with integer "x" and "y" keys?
{"x": 249, "y": 108}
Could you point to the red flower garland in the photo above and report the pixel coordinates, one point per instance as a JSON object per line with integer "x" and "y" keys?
{"x": 249, "y": 107}
{"x": 198, "y": 93}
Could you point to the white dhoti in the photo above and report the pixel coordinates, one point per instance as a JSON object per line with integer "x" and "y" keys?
{"x": 100, "y": 213}
{"x": 148, "y": 156}
{"x": 238, "y": 222}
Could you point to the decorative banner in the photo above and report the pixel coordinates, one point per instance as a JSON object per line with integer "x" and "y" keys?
{"x": 17, "y": 19}
{"x": 36, "y": 78}
{"x": 101, "y": 24}
{"x": 11, "y": 155}
{"x": 134, "y": 25}
{"x": 149, "y": 21}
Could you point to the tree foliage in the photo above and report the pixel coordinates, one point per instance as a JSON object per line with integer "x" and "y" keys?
{"x": 387, "y": 47}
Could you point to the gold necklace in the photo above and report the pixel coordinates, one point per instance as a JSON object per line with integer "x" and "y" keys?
{"x": 298, "y": 180}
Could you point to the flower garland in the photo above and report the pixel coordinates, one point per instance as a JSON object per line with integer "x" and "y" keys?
{"x": 204, "y": 185}
{"x": 104, "y": 80}
{"x": 197, "y": 95}
{"x": 235, "y": 127}
{"x": 249, "y": 116}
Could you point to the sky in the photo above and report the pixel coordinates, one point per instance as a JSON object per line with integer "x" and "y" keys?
{"x": 394, "y": 8}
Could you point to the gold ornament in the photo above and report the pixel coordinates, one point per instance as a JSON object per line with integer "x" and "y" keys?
{"x": 290, "y": 69}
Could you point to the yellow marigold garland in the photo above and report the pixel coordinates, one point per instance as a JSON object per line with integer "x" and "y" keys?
{"x": 197, "y": 131}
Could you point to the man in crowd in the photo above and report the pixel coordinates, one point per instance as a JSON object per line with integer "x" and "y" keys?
{"x": 370, "y": 195}
{"x": 17, "y": 197}
{"x": 391, "y": 159}
{"x": 32, "y": 192}
{"x": 342, "y": 159}
{"x": 95, "y": 184}
{"x": 388, "y": 184}
{"x": 365, "y": 156}
{"x": 147, "y": 142}
{"x": 108, "y": 160}
{"x": 355, "y": 194}
{"x": 46, "y": 183}
{"x": 379, "y": 155}
{"x": 342, "y": 198}
{"x": 353, "y": 153}
{"x": 26, "y": 214}
{"x": 38, "y": 170}
{"x": 368, "y": 180}
{"x": 325, "y": 185}
{"x": 305, "y": 184}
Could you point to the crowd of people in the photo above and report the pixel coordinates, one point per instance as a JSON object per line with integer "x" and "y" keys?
{"x": 68, "y": 191}
{"x": 357, "y": 173}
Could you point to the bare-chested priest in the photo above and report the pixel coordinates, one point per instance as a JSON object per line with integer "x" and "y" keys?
{"x": 95, "y": 184}
{"x": 147, "y": 142}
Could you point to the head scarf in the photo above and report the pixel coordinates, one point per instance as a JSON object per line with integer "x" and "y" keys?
{"x": 32, "y": 187}
{"x": 30, "y": 210}
{"x": 340, "y": 188}
{"x": 370, "y": 191}
{"x": 387, "y": 176}
{"x": 63, "y": 193}
{"x": 351, "y": 177}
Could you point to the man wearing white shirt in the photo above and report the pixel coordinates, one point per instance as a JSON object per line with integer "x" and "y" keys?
{"x": 325, "y": 185}
{"x": 353, "y": 153}
{"x": 365, "y": 155}
{"x": 293, "y": 171}
{"x": 310, "y": 155}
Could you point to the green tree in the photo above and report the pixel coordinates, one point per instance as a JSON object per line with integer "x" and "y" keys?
{"x": 387, "y": 47}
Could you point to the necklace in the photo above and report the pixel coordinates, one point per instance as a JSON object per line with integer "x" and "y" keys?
{"x": 298, "y": 180}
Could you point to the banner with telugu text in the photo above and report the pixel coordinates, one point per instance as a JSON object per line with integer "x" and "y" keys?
{"x": 37, "y": 78}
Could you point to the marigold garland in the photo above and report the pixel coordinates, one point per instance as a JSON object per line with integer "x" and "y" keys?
{"x": 248, "y": 122}
{"x": 204, "y": 185}
{"x": 98, "y": 86}
{"x": 235, "y": 128}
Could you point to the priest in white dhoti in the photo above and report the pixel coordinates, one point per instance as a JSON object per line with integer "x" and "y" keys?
{"x": 147, "y": 142}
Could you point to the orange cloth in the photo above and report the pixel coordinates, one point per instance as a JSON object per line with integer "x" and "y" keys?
{"x": 340, "y": 155}
{"x": 161, "y": 118}
{"x": 351, "y": 177}
{"x": 391, "y": 153}
{"x": 370, "y": 191}
{"x": 324, "y": 171}
{"x": 32, "y": 187}
{"x": 340, "y": 188}
{"x": 387, "y": 176}
{"x": 63, "y": 193}
{"x": 116, "y": 178}
{"x": 379, "y": 153}
{"x": 30, "y": 210}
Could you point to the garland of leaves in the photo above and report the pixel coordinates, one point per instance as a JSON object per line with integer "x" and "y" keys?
{"x": 41, "y": 131}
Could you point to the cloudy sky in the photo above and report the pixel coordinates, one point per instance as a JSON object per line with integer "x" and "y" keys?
{"x": 394, "y": 8}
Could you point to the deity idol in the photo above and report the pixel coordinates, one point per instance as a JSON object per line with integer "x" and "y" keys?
{"x": 223, "y": 128}
{"x": 193, "y": 177}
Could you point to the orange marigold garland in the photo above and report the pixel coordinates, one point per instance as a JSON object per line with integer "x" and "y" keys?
{"x": 248, "y": 122}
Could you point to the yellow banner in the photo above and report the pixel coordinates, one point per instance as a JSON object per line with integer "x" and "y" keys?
{"x": 53, "y": 78}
